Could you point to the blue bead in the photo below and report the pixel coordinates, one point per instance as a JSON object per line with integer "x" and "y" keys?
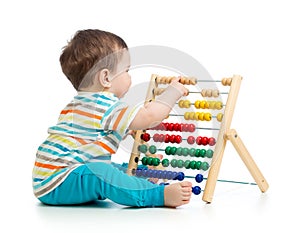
{"x": 199, "y": 178}
{"x": 159, "y": 174}
{"x": 180, "y": 176}
{"x": 144, "y": 173}
{"x": 138, "y": 172}
{"x": 169, "y": 175}
{"x": 196, "y": 190}
{"x": 149, "y": 173}
{"x": 164, "y": 174}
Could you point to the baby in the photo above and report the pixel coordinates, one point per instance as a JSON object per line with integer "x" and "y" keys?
{"x": 73, "y": 165}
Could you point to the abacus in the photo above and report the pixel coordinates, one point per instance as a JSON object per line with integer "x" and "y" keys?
{"x": 209, "y": 148}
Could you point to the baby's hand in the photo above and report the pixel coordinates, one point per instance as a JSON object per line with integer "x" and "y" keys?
{"x": 180, "y": 87}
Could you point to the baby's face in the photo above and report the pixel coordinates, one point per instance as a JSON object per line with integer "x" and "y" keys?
{"x": 121, "y": 79}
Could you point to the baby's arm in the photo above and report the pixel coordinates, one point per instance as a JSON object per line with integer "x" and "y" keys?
{"x": 154, "y": 112}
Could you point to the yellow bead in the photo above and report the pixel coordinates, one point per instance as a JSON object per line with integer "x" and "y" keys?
{"x": 192, "y": 115}
{"x": 219, "y": 105}
{"x": 187, "y": 115}
{"x": 219, "y": 117}
{"x": 202, "y": 104}
{"x": 197, "y": 104}
{"x": 206, "y": 105}
{"x": 187, "y": 104}
{"x": 211, "y": 104}
{"x": 180, "y": 104}
{"x": 201, "y": 116}
{"x": 207, "y": 116}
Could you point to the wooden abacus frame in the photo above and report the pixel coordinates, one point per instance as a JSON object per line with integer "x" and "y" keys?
{"x": 225, "y": 134}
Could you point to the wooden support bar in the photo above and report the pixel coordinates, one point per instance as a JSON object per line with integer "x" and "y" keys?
{"x": 248, "y": 160}
{"x": 221, "y": 141}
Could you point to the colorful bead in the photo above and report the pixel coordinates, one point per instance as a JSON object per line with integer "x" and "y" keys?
{"x": 209, "y": 153}
{"x": 199, "y": 178}
{"x": 180, "y": 176}
{"x": 196, "y": 190}
{"x": 165, "y": 162}
{"x": 142, "y": 148}
{"x": 152, "y": 149}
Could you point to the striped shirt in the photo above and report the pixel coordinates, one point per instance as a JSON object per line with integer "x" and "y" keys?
{"x": 89, "y": 129}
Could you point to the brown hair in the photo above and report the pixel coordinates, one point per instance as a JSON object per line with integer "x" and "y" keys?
{"x": 84, "y": 50}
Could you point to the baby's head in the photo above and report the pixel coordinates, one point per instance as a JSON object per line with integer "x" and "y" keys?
{"x": 89, "y": 52}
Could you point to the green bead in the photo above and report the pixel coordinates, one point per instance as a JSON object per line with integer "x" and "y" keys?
{"x": 197, "y": 153}
{"x": 150, "y": 161}
{"x": 193, "y": 164}
{"x": 173, "y": 150}
{"x": 209, "y": 153}
{"x": 204, "y": 166}
{"x": 165, "y": 162}
{"x": 180, "y": 163}
{"x": 174, "y": 163}
{"x": 202, "y": 153}
{"x": 192, "y": 152}
{"x": 187, "y": 164}
{"x": 185, "y": 151}
{"x": 145, "y": 160}
{"x": 152, "y": 149}
{"x": 179, "y": 151}
{"x": 168, "y": 150}
{"x": 142, "y": 148}
{"x": 198, "y": 165}
{"x": 155, "y": 161}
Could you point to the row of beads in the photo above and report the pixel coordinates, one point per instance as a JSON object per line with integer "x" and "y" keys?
{"x": 201, "y": 116}
{"x": 181, "y": 151}
{"x": 164, "y": 174}
{"x": 205, "y": 92}
{"x": 188, "y": 164}
{"x": 168, "y": 175}
{"x": 183, "y": 80}
{"x": 162, "y": 138}
{"x": 166, "y": 138}
{"x": 180, "y": 127}
{"x": 198, "y": 116}
{"x": 218, "y": 105}
{"x": 170, "y": 150}
{"x": 187, "y": 80}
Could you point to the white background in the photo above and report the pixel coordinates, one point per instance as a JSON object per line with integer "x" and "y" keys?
{"x": 256, "y": 39}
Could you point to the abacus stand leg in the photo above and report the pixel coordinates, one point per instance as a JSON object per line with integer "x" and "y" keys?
{"x": 135, "y": 154}
{"x": 248, "y": 160}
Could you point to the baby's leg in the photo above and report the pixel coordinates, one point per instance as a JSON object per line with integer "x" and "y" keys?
{"x": 177, "y": 194}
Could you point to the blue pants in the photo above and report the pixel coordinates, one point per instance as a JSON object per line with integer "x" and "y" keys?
{"x": 94, "y": 181}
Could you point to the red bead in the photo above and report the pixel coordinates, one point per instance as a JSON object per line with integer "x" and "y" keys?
{"x": 190, "y": 140}
{"x": 158, "y": 127}
{"x": 178, "y": 139}
{"x": 204, "y": 141}
{"x": 170, "y": 126}
{"x": 211, "y": 141}
{"x": 181, "y": 127}
{"x": 176, "y": 127}
{"x": 192, "y": 128}
{"x": 172, "y": 138}
{"x": 167, "y": 138}
{"x": 185, "y": 128}
{"x": 161, "y": 138}
{"x": 156, "y": 137}
{"x": 199, "y": 140}
{"x": 145, "y": 137}
{"x": 166, "y": 126}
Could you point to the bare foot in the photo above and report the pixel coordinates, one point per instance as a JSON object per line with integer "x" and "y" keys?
{"x": 177, "y": 194}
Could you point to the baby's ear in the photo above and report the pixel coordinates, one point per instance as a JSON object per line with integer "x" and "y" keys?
{"x": 103, "y": 77}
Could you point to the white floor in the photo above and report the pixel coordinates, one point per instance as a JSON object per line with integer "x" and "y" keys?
{"x": 235, "y": 208}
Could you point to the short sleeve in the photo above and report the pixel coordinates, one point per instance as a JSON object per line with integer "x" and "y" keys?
{"x": 118, "y": 118}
